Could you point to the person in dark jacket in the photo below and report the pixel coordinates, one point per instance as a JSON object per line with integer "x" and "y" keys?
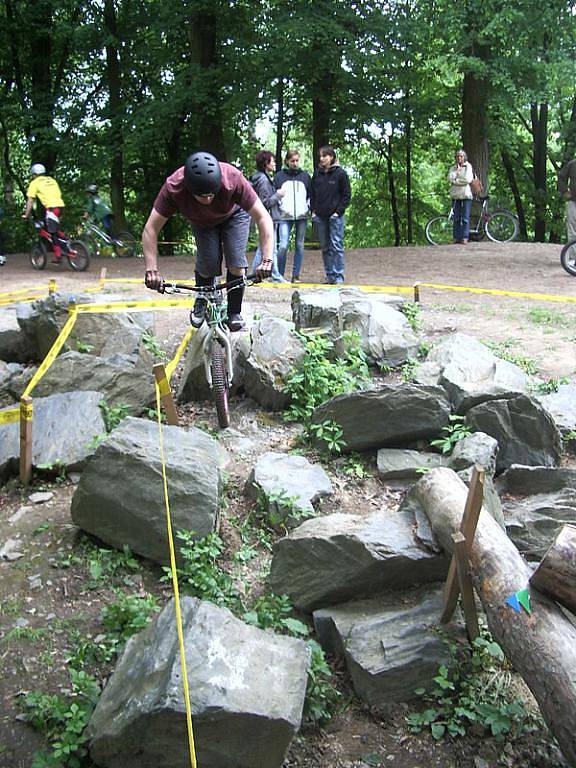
{"x": 271, "y": 198}
{"x": 294, "y": 210}
{"x": 329, "y": 199}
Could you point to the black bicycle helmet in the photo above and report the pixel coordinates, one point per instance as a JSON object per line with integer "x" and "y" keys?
{"x": 202, "y": 174}
{"x": 92, "y": 189}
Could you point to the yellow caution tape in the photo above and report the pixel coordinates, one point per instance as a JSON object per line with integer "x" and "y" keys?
{"x": 497, "y": 292}
{"x": 26, "y": 411}
{"x": 171, "y": 367}
{"x": 56, "y": 347}
{"x": 20, "y": 299}
{"x": 10, "y": 416}
{"x": 30, "y": 289}
{"x": 174, "y": 572}
{"x": 133, "y": 306}
{"x": 164, "y": 387}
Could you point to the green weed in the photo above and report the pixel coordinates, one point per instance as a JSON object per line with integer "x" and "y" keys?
{"x": 81, "y": 346}
{"x": 278, "y": 508}
{"x": 413, "y": 313}
{"x": 452, "y": 434}
{"x": 329, "y": 434}
{"x": 506, "y": 351}
{"x": 152, "y": 344}
{"x": 549, "y": 386}
{"x": 548, "y": 317}
{"x": 408, "y": 370}
{"x": 113, "y": 414}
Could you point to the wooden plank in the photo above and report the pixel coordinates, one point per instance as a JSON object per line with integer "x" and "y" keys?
{"x": 166, "y": 394}
{"x": 468, "y": 529}
{"x": 465, "y": 584}
{"x": 26, "y": 414}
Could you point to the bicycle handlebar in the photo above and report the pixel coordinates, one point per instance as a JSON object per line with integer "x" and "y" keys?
{"x": 182, "y": 287}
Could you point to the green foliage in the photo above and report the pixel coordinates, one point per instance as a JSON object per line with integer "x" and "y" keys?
{"x": 103, "y": 564}
{"x": 57, "y": 469}
{"x": 549, "y": 386}
{"x": 30, "y": 634}
{"x": 409, "y": 369}
{"x": 329, "y": 434}
{"x": 278, "y": 508}
{"x": 128, "y": 615}
{"x": 452, "y": 434}
{"x": 275, "y": 612}
{"x": 548, "y": 317}
{"x": 506, "y": 351}
{"x": 82, "y": 346}
{"x": 113, "y": 414}
{"x": 63, "y": 719}
{"x": 200, "y": 574}
{"x": 474, "y": 693}
{"x": 321, "y": 695}
{"x": 413, "y": 313}
{"x": 354, "y": 465}
{"x": 152, "y": 344}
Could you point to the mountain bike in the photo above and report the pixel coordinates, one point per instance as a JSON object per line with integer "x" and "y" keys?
{"x": 75, "y": 251}
{"x": 500, "y": 225}
{"x": 568, "y": 257}
{"x": 216, "y": 348}
{"x": 123, "y": 244}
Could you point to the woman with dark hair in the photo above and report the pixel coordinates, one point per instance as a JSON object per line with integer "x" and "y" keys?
{"x": 460, "y": 176}
{"x": 270, "y": 196}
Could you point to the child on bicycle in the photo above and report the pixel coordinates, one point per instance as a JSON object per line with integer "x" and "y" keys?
{"x": 219, "y": 202}
{"x": 44, "y": 192}
{"x": 98, "y": 208}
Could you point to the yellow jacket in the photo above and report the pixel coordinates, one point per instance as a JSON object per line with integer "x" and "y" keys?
{"x": 46, "y": 189}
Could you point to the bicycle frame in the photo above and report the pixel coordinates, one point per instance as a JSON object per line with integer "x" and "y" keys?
{"x": 95, "y": 230}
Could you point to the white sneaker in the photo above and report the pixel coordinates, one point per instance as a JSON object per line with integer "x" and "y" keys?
{"x": 2, "y": 260}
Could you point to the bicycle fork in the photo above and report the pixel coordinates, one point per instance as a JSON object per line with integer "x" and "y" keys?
{"x": 225, "y": 339}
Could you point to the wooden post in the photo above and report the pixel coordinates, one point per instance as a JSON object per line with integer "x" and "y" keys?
{"x": 165, "y": 394}
{"x": 26, "y": 413}
{"x": 467, "y": 528}
{"x": 465, "y": 584}
{"x": 102, "y": 278}
{"x": 52, "y": 287}
{"x": 417, "y": 293}
{"x": 556, "y": 574}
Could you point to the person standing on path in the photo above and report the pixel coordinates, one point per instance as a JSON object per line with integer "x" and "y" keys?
{"x": 218, "y": 201}
{"x": 460, "y": 176}
{"x": 330, "y": 196}
{"x": 567, "y": 188}
{"x": 294, "y": 183}
{"x": 271, "y": 197}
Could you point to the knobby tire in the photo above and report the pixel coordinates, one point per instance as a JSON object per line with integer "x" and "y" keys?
{"x": 78, "y": 255}
{"x": 568, "y": 257}
{"x": 220, "y": 383}
{"x": 128, "y": 247}
{"x": 38, "y": 256}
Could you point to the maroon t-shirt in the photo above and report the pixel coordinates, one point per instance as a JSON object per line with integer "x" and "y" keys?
{"x": 235, "y": 191}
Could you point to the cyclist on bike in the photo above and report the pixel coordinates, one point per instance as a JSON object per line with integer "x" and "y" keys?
{"x": 98, "y": 208}
{"x": 567, "y": 189}
{"x": 218, "y": 201}
{"x": 44, "y": 192}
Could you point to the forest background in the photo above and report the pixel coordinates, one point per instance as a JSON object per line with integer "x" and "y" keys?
{"x": 119, "y": 92}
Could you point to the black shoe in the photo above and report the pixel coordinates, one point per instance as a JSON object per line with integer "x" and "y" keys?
{"x": 198, "y": 313}
{"x": 236, "y": 323}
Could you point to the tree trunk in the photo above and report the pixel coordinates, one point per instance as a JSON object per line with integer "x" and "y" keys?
{"x": 541, "y": 646}
{"x": 43, "y": 147}
{"x": 556, "y": 574}
{"x": 539, "y": 122}
{"x": 475, "y": 121}
{"x": 509, "y": 168}
{"x": 321, "y": 116}
{"x": 116, "y": 115}
{"x": 280, "y": 124}
{"x": 392, "y": 190}
{"x": 408, "y": 133}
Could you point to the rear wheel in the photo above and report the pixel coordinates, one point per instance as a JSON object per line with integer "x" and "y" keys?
{"x": 439, "y": 230}
{"x": 124, "y": 245}
{"x": 38, "y": 256}
{"x": 220, "y": 383}
{"x": 568, "y": 257}
{"x": 78, "y": 255}
{"x": 502, "y": 227}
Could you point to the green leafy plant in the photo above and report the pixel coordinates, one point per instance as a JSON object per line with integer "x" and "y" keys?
{"x": 548, "y": 317}
{"x": 81, "y": 346}
{"x": 507, "y": 350}
{"x": 413, "y": 313}
{"x": 452, "y": 434}
{"x": 549, "y": 386}
{"x": 152, "y": 344}
{"x": 102, "y": 564}
{"x": 329, "y": 434}
{"x": 275, "y": 612}
{"x": 321, "y": 695}
{"x": 354, "y": 466}
{"x": 57, "y": 469}
{"x": 278, "y": 507}
{"x": 408, "y": 370}
{"x": 128, "y": 615}
{"x": 113, "y": 414}
{"x": 471, "y": 692}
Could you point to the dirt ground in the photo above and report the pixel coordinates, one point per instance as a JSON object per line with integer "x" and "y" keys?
{"x": 52, "y": 595}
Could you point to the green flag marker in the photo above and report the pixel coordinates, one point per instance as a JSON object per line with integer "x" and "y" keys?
{"x": 524, "y": 600}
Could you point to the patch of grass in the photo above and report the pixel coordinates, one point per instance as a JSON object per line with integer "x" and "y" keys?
{"x": 548, "y": 317}
{"x": 413, "y": 313}
{"x": 102, "y": 564}
{"x": 549, "y": 386}
{"x": 29, "y": 634}
{"x": 507, "y": 350}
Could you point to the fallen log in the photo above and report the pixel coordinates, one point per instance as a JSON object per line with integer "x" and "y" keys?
{"x": 556, "y": 574}
{"x": 541, "y": 646}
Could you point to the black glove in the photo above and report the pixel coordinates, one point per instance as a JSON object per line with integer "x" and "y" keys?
{"x": 154, "y": 280}
{"x": 264, "y": 269}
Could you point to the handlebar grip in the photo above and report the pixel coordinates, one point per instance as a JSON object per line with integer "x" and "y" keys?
{"x": 254, "y": 277}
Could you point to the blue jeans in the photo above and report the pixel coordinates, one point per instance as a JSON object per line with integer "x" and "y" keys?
{"x": 258, "y": 257}
{"x": 285, "y": 230}
{"x": 331, "y": 236}
{"x": 461, "y": 225}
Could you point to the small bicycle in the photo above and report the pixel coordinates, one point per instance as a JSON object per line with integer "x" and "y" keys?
{"x": 217, "y": 349}
{"x": 75, "y": 251}
{"x": 568, "y": 257}
{"x": 123, "y": 244}
{"x": 500, "y": 226}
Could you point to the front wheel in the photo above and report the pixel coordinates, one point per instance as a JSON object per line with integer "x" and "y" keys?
{"x": 78, "y": 255}
{"x": 502, "y": 227}
{"x": 220, "y": 383}
{"x": 568, "y": 257}
{"x": 124, "y": 245}
{"x": 439, "y": 231}
{"x": 38, "y": 256}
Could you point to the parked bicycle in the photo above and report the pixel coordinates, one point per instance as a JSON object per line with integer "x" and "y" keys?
{"x": 123, "y": 244}
{"x": 216, "y": 347}
{"x": 75, "y": 251}
{"x": 500, "y": 225}
{"x": 568, "y": 257}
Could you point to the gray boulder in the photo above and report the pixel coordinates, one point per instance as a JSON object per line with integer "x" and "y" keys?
{"x": 525, "y": 432}
{"x": 528, "y": 481}
{"x": 15, "y": 347}
{"x": 470, "y": 372}
{"x": 64, "y": 427}
{"x": 295, "y": 476}
{"x": 247, "y": 691}
{"x": 393, "y": 415}
{"x": 561, "y": 405}
{"x": 477, "y": 448}
{"x": 120, "y": 497}
{"x": 386, "y": 336}
{"x": 275, "y": 351}
{"x": 341, "y": 557}
{"x": 391, "y": 644}
{"x": 533, "y": 522}
{"x": 396, "y": 464}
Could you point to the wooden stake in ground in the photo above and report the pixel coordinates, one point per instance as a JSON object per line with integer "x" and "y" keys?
{"x": 556, "y": 574}
{"x": 166, "y": 394}
{"x": 26, "y": 413}
{"x": 541, "y": 645}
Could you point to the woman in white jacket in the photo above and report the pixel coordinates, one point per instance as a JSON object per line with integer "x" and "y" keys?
{"x": 460, "y": 176}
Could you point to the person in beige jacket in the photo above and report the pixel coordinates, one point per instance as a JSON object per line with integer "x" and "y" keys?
{"x": 460, "y": 176}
